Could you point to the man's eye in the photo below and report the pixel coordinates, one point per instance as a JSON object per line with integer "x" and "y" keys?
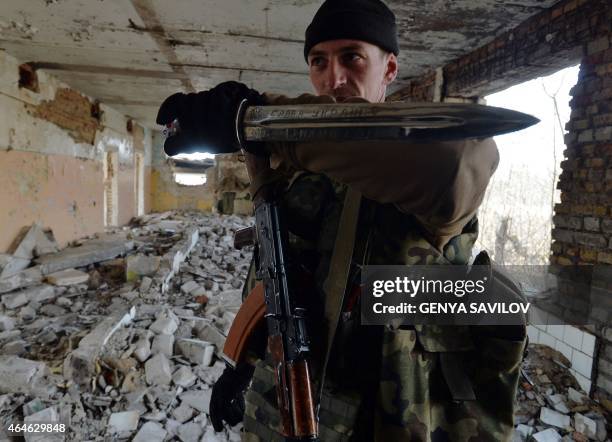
{"x": 316, "y": 61}
{"x": 352, "y": 56}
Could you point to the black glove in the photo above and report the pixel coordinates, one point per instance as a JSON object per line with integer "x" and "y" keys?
{"x": 227, "y": 398}
{"x": 207, "y": 120}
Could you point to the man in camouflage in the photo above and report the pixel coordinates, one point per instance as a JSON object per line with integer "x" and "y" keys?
{"x": 418, "y": 207}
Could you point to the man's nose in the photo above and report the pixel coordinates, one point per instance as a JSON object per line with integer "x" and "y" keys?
{"x": 336, "y": 75}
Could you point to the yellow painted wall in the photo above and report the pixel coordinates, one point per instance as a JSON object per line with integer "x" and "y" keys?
{"x": 166, "y": 194}
{"x": 57, "y": 191}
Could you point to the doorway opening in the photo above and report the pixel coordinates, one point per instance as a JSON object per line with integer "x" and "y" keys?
{"x": 111, "y": 189}
{"x": 139, "y": 177}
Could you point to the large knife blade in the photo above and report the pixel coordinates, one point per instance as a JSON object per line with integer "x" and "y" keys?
{"x": 378, "y": 121}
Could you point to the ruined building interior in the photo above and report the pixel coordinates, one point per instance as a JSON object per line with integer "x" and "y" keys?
{"x": 118, "y": 283}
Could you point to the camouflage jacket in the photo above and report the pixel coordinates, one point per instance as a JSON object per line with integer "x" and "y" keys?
{"x": 388, "y": 384}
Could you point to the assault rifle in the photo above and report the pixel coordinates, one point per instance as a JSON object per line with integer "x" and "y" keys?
{"x": 288, "y": 340}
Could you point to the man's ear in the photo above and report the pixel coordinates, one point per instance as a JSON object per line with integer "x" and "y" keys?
{"x": 391, "y": 69}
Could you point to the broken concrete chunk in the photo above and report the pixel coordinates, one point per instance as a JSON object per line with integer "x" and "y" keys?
{"x": 585, "y": 425}
{"x": 145, "y": 284}
{"x": 164, "y": 325}
{"x": 198, "y": 352}
{"x": 198, "y": 399}
{"x": 184, "y": 377}
{"x": 172, "y": 260}
{"x": 68, "y": 277}
{"x": 89, "y": 253}
{"x": 562, "y": 408}
{"x": 549, "y": 435}
{"x": 27, "y": 313}
{"x": 24, "y": 244}
{"x": 524, "y": 431}
{"x": 191, "y": 432}
{"x": 46, "y": 416}
{"x": 14, "y": 300}
{"x": 16, "y": 348}
{"x": 141, "y": 265}
{"x": 6, "y": 323}
{"x": 143, "y": 350}
{"x": 555, "y": 398}
{"x": 554, "y": 418}
{"x": 163, "y": 344}
{"x": 45, "y": 243}
{"x": 575, "y": 396}
{"x": 40, "y": 293}
{"x": 189, "y": 287}
{"x": 79, "y": 365}
{"x": 10, "y": 265}
{"x": 183, "y": 413}
{"x": 52, "y": 310}
{"x": 170, "y": 225}
{"x": 210, "y": 333}
{"x": 172, "y": 427}
{"x": 158, "y": 371}
{"x": 62, "y": 301}
{"x": 25, "y": 278}
{"x": 34, "y": 406}
{"x": 35, "y": 294}
{"x": 150, "y": 432}
{"x": 18, "y": 375}
{"x": 123, "y": 422}
{"x": 602, "y": 432}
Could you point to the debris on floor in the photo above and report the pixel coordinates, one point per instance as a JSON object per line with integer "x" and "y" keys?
{"x": 118, "y": 335}
{"x": 551, "y": 405}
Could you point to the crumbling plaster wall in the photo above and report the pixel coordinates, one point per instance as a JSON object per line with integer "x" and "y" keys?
{"x": 570, "y": 32}
{"x": 52, "y": 144}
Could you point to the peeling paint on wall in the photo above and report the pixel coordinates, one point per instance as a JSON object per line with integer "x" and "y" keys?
{"x": 71, "y": 111}
{"x": 51, "y": 152}
{"x": 59, "y": 192}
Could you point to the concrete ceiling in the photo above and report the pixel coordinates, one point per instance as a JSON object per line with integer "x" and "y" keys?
{"x": 131, "y": 54}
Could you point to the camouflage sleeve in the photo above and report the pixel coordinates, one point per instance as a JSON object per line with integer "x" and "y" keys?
{"x": 441, "y": 183}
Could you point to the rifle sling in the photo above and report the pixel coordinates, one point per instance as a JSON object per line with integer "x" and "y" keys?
{"x": 337, "y": 277}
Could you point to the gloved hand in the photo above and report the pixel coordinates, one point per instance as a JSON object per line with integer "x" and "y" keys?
{"x": 207, "y": 119}
{"x": 227, "y": 398}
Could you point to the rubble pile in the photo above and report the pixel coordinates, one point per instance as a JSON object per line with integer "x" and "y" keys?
{"x": 118, "y": 335}
{"x": 551, "y": 405}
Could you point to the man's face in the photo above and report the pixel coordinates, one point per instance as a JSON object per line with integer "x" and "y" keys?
{"x": 351, "y": 68}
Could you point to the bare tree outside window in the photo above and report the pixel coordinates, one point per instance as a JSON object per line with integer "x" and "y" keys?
{"x": 516, "y": 214}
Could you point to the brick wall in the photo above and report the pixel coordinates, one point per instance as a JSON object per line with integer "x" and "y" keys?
{"x": 555, "y": 38}
{"x": 571, "y": 32}
{"x": 583, "y": 220}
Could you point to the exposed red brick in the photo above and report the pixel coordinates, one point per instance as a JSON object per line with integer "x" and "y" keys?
{"x": 71, "y": 111}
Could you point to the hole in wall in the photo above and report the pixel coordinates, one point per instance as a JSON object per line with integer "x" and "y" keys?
{"x": 96, "y": 112}
{"x": 190, "y": 179}
{"x": 189, "y": 168}
{"x": 28, "y": 79}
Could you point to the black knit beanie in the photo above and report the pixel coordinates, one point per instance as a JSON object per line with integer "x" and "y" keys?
{"x": 366, "y": 20}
